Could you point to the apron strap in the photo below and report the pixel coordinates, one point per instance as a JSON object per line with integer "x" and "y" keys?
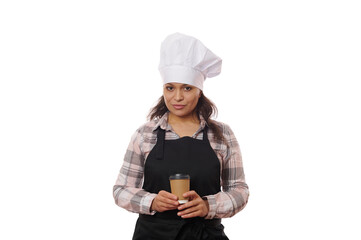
{"x": 160, "y": 143}
{"x": 205, "y": 135}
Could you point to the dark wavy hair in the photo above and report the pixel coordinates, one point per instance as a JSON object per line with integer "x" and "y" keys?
{"x": 205, "y": 108}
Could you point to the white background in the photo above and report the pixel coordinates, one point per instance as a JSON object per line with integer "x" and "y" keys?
{"x": 79, "y": 77}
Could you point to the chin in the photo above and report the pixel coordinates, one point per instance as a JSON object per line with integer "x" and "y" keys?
{"x": 180, "y": 113}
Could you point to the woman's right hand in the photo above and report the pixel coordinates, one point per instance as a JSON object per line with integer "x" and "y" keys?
{"x": 164, "y": 201}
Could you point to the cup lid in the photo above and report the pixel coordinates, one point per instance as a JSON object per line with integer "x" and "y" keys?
{"x": 179, "y": 176}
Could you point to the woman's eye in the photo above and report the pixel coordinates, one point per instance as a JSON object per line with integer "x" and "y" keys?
{"x": 188, "y": 88}
{"x": 169, "y": 88}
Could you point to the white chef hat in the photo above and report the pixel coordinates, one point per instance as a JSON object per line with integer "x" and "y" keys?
{"x": 184, "y": 59}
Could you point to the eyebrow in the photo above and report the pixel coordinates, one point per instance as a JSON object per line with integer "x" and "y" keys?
{"x": 184, "y": 85}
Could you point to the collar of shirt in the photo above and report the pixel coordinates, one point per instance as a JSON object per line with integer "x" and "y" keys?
{"x": 163, "y": 124}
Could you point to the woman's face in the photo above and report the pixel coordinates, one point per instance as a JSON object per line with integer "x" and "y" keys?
{"x": 181, "y": 99}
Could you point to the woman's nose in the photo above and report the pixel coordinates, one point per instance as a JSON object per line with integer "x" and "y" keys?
{"x": 179, "y": 95}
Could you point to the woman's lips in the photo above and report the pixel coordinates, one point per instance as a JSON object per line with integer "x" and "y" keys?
{"x": 178, "y": 107}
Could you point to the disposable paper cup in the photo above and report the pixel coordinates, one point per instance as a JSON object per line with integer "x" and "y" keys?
{"x": 179, "y": 184}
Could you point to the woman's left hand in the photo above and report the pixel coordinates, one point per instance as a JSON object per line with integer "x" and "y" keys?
{"x": 196, "y": 207}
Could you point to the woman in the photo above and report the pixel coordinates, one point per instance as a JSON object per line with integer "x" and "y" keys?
{"x": 181, "y": 138}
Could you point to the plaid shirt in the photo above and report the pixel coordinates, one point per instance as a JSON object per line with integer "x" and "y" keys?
{"x": 128, "y": 192}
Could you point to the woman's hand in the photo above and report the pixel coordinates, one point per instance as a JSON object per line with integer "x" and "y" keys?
{"x": 164, "y": 201}
{"x": 196, "y": 207}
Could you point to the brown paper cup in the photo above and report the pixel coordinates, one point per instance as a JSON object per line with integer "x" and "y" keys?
{"x": 179, "y": 184}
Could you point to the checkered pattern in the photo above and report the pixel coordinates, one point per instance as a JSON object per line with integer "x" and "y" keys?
{"x": 128, "y": 192}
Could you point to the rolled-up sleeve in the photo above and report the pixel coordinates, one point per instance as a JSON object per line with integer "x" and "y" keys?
{"x": 127, "y": 191}
{"x": 234, "y": 195}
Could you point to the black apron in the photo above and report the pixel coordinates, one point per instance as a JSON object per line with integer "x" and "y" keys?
{"x": 184, "y": 155}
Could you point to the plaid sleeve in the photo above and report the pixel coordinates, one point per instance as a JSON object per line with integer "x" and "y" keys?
{"x": 127, "y": 191}
{"x": 234, "y": 195}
